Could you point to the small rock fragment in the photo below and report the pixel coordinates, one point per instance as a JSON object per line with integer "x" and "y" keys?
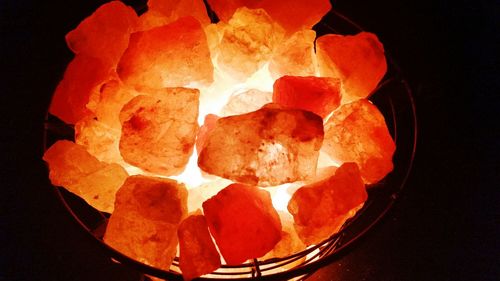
{"x": 72, "y": 167}
{"x": 198, "y": 255}
{"x": 99, "y": 139}
{"x": 320, "y": 95}
{"x": 245, "y": 102}
{"x": 105, "y": 33}
{"x": 295, "y": 56}
{"x": 290, "y": 242}
{"x": 267, "y": 147}
{"x": 159, "y": 130}
{"x": 82, "y": 78}
{"x": 243, "y": 222}
{"x": 248, "y": 42}
{"x": 293, "y": 15}
{"x": 145, "y": 221}
{"x": 204, "y": 131}
{"x": 172, "y": 55}
{"x": 358, "y": 61}
{"x": 162, "y": 12}
{"x": 320, "y": 209}
{"x": 357, "y": 133}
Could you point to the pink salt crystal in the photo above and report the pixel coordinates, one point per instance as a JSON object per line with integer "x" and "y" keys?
{"x": 147, "y": 214}
{"x": 290, "y": 242}
{"x": 198, "y": 254}
{"x": 245, "y": 102}
{"x": 105, "y": 33}
{"x": 248, "y": 42}
{"x": 172, "y": 55}
{"x": 358, "y": 61}
{"x": 204, "y": 131}
{"x": 321, "y": 208}
{"x": 270, "y": 146}
{"x": 99, "y": 139}
{"x": 243, "y": 222}
{"x": 293, "y": 15}
{"x": 83, "y": 76}
{"x": 357, "y": 133}
{"x": 72, "y": 167}
{"x": 113, "y": 96}
{"x": 162, "y": 12}
{"x": 295, "y": 56}
{"x": 159, "y": 130}
{"x": 320, "y": 95}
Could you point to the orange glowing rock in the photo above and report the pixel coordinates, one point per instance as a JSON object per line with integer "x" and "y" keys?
{"x": 99, "y": 139}
{"x": 147, "y": 214}
{"x": 358, "y": 61}
{"x": 159, "y": 130}
{"x": 172, "y": 55}
{"x": 295, "y": 56}
{"x": 270, "y": 146}
{"x": 290, "y": 242}
{"x": 205, "y": 129}
{"x": 320, "y": 95}
{"x": 105, "y": 33}
{"x": 72, "y": 167}
{"x": 112, "y": 97}
{"x": 357, "y": 133}
{"x": 82, "y": 78}
{"x": 243, "y": 222}
{"x": 321, "y": 208}
{"x": 162, "y": 12}
{"x": 198, "y": 254}
{"x": 248, "y": 42}
{"x": 245, "y": 102}
{"x": 293, "y": 15}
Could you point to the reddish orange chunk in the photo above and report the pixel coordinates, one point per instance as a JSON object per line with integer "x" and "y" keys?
{"x": 321, "y": 208}
{"x": 204, "y": 131}
{"x": 159, "y": 130}
{"x": 72, "y": 167}
{"x": 357, "y": 133}
{"x": 295, "y": 56}
{"x": 320, "y": 95}
{"x": 243, "y": 222}
{"x": 198, "y": 254}
{"x": 270, "y": 146}
{"x": 99, "y": 139}
{"x": 105, "y": 33}
{"x": 147, "y": 214}
{"x": 358, "y": 61}
{"x": 293, "y": 15}
{"x": 162, "y": 12}
{"x": 172, "y": 55}
{"x": 248, "y": 42}
{"x": 82, "y": 78}
{"x": 245, "y": 102}
{"x": 290, "y": 242}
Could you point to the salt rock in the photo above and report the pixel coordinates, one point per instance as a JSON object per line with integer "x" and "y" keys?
{"x": 358, "y": 61}
{"x": 205, "y": 129}
{"x": 243, "y": 222}
{"x": 357, "y": 133}
{"x": 99, "y": 139}
{"x": 159, "y": 130}
{"x": 290, "y": 242}
{"x": 162, "y": 12}
{"x": 320, "y": 95}
{"x": 267, "y": 147}
{"x": 105, "y": 33}
{"x": 82, "y": 78}
{"x": 245, "y": 102}
{"x": 172, "y": 55}
{"x": 295, "y": 56}
{"x": 293, "y": 15}
{"x": 72, "y": 167}
{"x": 320, "y": 209}
{"x": 113, "y": 95}
{"x": 198, "y": 255}
{"x": 147, "y": 214}
{"x": 248, "y": 42}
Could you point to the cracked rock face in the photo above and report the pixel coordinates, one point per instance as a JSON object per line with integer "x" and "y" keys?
{"x": 267, "y": 147}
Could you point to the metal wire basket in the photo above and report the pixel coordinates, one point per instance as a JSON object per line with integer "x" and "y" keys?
{"x": 394, "y": 99}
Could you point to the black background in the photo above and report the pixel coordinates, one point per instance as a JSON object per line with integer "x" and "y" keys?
{"x": 444, "y": 227}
